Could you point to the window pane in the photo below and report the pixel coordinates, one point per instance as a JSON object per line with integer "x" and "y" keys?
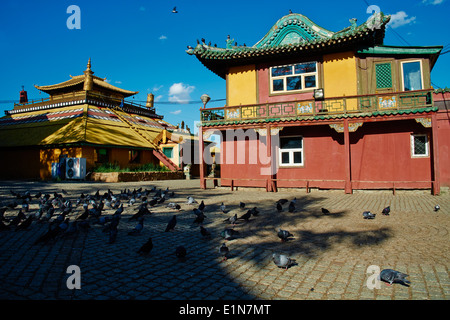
{"x": 297, "y": 157}
{"x": 412, "y": 76}
{"x": 290, "y": 143}
{"x": 305, "y": 67}
{"x": 293, "y": 83}
{"x": 383, "y": 75}
{"x": 278, "y": 85}
{"x": 310, "y": 81}
{"x": 281, "y": 71}
{"x": 285, "y": 157}
{"x": 420, "y": 145}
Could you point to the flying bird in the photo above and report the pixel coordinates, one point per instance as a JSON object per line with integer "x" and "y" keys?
{"x": 223, "y": 251}
{"x": 146, "y": 247}
{"x": 171, "y": 224}
{"x": 284, "y": 235}
{"x": 282, "y": 260}
{"x": 174, "y": 10}
{"x": 391, "y": 276}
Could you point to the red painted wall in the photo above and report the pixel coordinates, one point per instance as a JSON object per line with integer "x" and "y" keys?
{"x": 380, "y": 152}
{"x": 443, "y": 118}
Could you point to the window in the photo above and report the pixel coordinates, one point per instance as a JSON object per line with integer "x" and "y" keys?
{"x": 294, "y": 77}
{"x": 134, "y": 156}
{"x": 291, "y": 151}
{"x": 101, "y": 155}
{"x": 168, "y": 152}
{"x": 412, "y": 75}
{"x": 419, "y": 145}
{"x": 383, "y": 75}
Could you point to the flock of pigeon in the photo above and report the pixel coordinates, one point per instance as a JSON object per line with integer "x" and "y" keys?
{"x": 64, "y": 219}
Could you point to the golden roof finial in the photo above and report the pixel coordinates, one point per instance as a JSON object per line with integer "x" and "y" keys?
{"x": 89, "y": 64}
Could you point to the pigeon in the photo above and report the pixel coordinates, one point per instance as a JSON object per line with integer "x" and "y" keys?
{"x": 279, "y": 207}
{"x": 284, "y": 235}
{"x": 246, "y": 216}
{"x": 18, "y": 219}
{"x": 191, "y": 200}
{"x": 254, "y": 211}
{"x": 138, "y": 228}
{"x": 173, "y": 205}
{"x": 146, "y": 247}
{"x": 83, "y": 216}
{"x": 119, "y": 210}
{"x": 242, "y": 205}
{"x": 391, "y": 276}
{"x": 282, "y": 260}
{"x": 368, "y": 215}
{"x": 437, "y": 208}
{"x": 49, "y": 235}
{"x": 25, "y": 224}
{"x": 386, "y": 211}
{"x": 180, "y": 253}
{"x": 201, "y": 207}
{"x": 223, "y": 251}
{"x": 291, "y": 207}
{"x": 112, "y": 235}
{"x": 223, "y": 208}
{"x": 232, "y": 219}
{"x": 174, "y": 10}
{"x": 142, "y": 210}
{"x": 325, "y": 211}
{"x": 200, "y": 218}
{"x": 171, "y": 224}
{"x": 205, "y": 233}
{"x": 229, "y": 234}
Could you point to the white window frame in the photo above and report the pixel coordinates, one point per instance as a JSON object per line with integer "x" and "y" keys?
{"x": 302, "y": 75}
{"x": 291, "y": 153}
{"x": 403, "y": 76}
{"x": 427, "y": 146}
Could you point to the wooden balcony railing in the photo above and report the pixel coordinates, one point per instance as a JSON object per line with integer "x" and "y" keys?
{"x": 301, "y": 109}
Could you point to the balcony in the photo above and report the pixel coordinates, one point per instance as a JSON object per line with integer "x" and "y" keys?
{"x": 77, "y": 98}
{"x": 360, "y": 105}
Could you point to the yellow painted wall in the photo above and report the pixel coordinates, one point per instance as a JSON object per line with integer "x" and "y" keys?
{"x": 241, "y": 85}
{"x": 340, "y": 76}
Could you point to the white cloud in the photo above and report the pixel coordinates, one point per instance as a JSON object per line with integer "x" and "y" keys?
{"x": 400, "y": 19}
{"x": 432, "y": 2}
{"x": 118, "y": 82}
{"x": 176, "y": 112}
{"x": 162, "y": 37}
{"x": 156, "y": 88}
{"x": 180, "y": 92}
{"x": 158, "y": 98}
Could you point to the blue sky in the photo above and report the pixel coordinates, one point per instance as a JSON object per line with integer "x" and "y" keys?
{"x": 140, "y": 45}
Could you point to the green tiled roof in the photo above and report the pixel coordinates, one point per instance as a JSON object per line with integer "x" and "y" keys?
{"x": 292, "y": 34}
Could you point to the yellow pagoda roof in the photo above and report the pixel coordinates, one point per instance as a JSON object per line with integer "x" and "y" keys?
{"x": 79, "y": 124}
{"x": 80, "y": 81}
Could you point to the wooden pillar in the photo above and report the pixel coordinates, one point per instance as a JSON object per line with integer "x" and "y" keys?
{"x": 348, "y": 174}
{"x": 436, "y": 188}
{"x": 201, "y": 147}
{"x": 269, "y": 154}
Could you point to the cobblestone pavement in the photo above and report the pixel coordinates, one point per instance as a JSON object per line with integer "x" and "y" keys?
{"x": 332, "y": 252}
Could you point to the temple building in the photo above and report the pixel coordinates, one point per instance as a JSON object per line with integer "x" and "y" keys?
{"x": 83, "y": 117}
{"x": 312, "y": 108}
